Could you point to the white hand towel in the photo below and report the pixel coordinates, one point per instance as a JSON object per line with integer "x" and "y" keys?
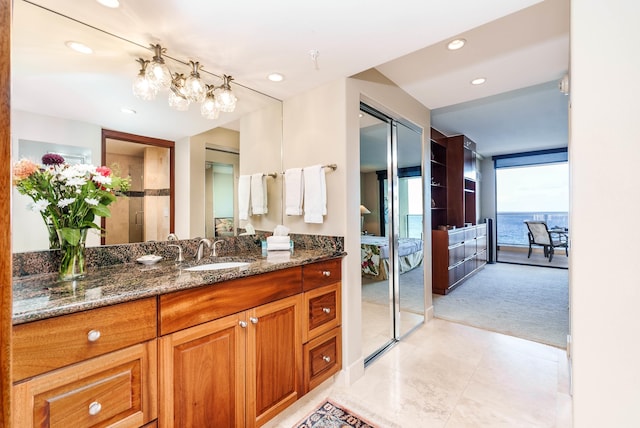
{"x": 244, "y": 190}
{"x": 293, "y": 191}
{"x": 278, "y": 240}
{"x": 315, "y": 194}
{"x": 258, "y": 194}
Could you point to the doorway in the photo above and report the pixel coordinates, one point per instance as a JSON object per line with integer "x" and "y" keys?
{"x": 391, "y": 197}
{"x": 147, "y": 213}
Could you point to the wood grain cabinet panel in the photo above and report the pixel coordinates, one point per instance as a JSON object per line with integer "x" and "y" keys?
{"x": 322, "y": 358}
{"x": 202, "y": 375}
{"x": 316, "y": 275}
{"x": 118, "y": 389}
{"x": 45, "y": 345}
{"x": 322, "y": 310}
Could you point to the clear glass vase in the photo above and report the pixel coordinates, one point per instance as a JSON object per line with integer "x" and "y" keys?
{"x": 73, "y": 263}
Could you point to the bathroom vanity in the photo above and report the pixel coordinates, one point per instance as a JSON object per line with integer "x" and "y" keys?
{"x": 134, "y": 345}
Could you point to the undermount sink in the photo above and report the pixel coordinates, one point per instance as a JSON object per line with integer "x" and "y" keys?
{"x": 217, "y": 266}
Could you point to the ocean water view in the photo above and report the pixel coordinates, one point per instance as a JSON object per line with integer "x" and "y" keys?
{"x": 511, "y": 229}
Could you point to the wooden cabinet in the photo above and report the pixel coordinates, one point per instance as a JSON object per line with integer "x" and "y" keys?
{"x": 94, "y": 368}
{"x": 231, "y": 370}
{"x": 457, "y": 254}
{"x": 322, "y": 318}
{"x": 453, "y": 180}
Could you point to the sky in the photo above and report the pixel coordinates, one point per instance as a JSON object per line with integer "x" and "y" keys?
{"x": 534, "y": 188}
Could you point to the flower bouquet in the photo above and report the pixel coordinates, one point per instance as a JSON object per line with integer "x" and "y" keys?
{"x": 68, "y": 197}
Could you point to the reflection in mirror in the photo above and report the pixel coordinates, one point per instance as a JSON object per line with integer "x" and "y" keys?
{"x": 221, "y": 175}
{"x": 65, "y": 98}
{"x": 147, "y": 213}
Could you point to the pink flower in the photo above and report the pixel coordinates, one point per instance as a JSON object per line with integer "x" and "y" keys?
{"x": 104, "y": 170}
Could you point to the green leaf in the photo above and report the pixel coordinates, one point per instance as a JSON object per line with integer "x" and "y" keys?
{"x": 72, "y": 236}
{"x": 101, "y": 210}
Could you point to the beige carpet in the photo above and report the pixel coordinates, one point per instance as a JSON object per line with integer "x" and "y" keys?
{"x": 529, "y": 302}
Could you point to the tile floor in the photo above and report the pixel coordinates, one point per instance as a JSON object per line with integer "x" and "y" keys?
{"x": 449, "y": 375}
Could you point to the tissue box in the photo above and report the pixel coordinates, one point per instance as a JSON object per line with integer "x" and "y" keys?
{"x": 278, "y": 243}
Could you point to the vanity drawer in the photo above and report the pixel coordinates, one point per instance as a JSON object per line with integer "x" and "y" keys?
{"x": 322, "y": 358}
{"x": 115, "y": 389}
{"x": 322, "y": 273}
{"x": 41, "y": 346}
{"x": 322, "y": 310}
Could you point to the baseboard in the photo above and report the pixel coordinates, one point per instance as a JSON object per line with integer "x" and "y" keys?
{"x": 350, "y": 374}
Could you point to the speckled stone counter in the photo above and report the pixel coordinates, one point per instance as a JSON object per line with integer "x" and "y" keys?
{"x": 39, "y": 296}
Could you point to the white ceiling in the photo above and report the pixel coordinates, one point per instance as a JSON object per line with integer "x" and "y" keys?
{"x": 520, "y": 46}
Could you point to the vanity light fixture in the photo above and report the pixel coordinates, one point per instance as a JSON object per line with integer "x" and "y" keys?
{"x": 155, "y": 75}
{"x": 478, "y": 81}
{"x": 79, "y": 47}
{"x": 456, "y": 44}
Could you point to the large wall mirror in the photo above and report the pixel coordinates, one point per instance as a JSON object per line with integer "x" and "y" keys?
{"x": 64, "y": 100}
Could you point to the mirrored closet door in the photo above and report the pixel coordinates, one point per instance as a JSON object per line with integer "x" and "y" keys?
{"x": 392, "y": 227}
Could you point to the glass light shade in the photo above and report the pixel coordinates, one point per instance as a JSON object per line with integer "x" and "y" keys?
{"x": 143, "y": 89}
{"x": 177, "y": 102}
{"x": 226, "y": 100}
{"x": 158, "y": 75}
{"x": 209, "y": 108}
{"x": 195, "y": 89}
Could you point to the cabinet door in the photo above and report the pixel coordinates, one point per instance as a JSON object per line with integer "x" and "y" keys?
{"x": 202, "y": 371}
{"x": 274, "y": 358}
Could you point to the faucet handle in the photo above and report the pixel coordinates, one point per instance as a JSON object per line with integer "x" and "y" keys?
{"x": 214, "y": 252}
{"x": 180, "y": 258}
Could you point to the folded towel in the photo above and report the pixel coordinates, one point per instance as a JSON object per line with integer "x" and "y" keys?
{"x": 293, "y": 187}
{"x": 244, "y": 190}
{"x": 258, "y": 194}
{"x": 315, "y": 194}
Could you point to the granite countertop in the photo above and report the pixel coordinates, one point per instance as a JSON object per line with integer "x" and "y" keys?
{"x": 42, "y": 296}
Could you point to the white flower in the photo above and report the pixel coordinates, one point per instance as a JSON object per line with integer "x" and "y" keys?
{"x": 76, "y": 181}
{"x": 40, "y": 205}
{"x": 66, "y": 201}
{"x": 91, "y": 201}
{"x": 101, "y": 179}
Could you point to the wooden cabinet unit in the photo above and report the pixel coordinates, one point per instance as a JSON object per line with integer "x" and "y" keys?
{"x": 322, "y": 318}
{"x": 224, "y": 368}
{"x": 94, "y": 368}
{"x": 229, "y": 354}
{"x": 457, "y": 254}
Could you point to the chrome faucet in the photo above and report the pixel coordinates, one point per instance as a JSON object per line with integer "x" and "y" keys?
{"x": 214, "y": 253}
{"x": 180, "y": 258}
{"x": 172, "y": 237}
{"x": 204, "y": 242}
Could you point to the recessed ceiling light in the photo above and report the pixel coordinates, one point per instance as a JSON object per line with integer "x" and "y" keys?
{"x": 456, "y": 44}
{"x": 478, "y": 81}
{"x": 127, "y": 110}
{"x": 275, "y": 77}
{"x": 109, "y": 3}
{"x": 79, "y": 47}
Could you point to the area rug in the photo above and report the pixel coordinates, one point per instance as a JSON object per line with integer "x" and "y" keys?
{"x": 524, "y": 301}
{"x": 332, "y": 415}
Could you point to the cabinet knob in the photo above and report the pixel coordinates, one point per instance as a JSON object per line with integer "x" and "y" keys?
{"x": 326, "y": 310}
{"x": 243, "y": 324}
{"x": 93, "y": 335}
{"x": 94, "y": 408}
{"x": 326, "y": 358}
{"x": 326, "y": 273}
{"x": 253, "y": 320}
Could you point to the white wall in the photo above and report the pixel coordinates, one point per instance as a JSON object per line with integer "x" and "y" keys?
{"x": 322, "y": 126}
{"x": 604, "y": 150}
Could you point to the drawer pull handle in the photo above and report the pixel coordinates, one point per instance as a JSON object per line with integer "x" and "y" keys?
{"x": 326, "y": 273}
{"x": 326, "y": 310}
{"x": 94, "y": 408}
{"x": 327, "y": 359}
{"x": 93, "y": 335}
{"x": 253, "y": 320}
{"x": 243, "y": 324}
